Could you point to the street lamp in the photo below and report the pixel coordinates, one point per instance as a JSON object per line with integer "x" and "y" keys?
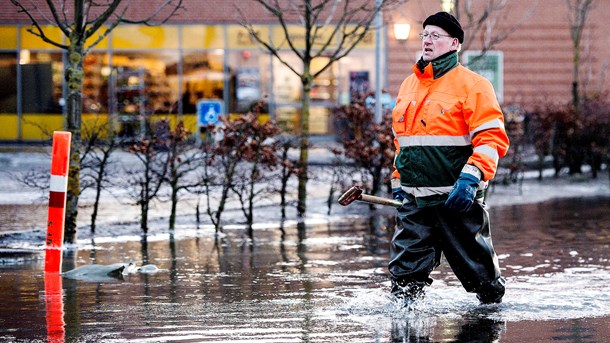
{"x": 401, "y": 31}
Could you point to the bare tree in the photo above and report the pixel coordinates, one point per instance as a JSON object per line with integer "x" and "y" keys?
{"x": 96, "y": 163}
{"x": 331, "y": 30}
{"x": 258, "y": 159}
{"x": 217, "y": 173}
{"x": 220, "y": 169}
{"x": 481, "y": 18}
{"x": 183, "y": 160}
{"x": 144, "y": 182}
{"x": 287, "y": 168}
{"x": 234, "y": 164}
{"x": 578, "y": 10}
{"x": 79, "y": 21}
{"x": 368, "y": 143}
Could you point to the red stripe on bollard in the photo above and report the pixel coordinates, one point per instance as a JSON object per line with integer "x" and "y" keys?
{"x": 57, "y": 201}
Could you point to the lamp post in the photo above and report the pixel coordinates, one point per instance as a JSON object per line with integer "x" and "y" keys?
{"x": 378, "y": 24}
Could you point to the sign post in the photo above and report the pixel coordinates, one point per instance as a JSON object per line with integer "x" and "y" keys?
{"x": 208, "y": 113}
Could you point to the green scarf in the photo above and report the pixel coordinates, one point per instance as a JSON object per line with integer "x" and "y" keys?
{"x": 441, "y": 65}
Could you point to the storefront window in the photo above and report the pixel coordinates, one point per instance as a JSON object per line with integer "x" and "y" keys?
{"x": 320, "y": 119}
{"x": 203, "y": 78}
{"x": 8, "y": 83}
{"x": 249, "y": 75}
{"x": 143, "y": 84}
{"x": 165, "y": 71}
{"x": 288, "y": 95}
{"x": 324, "y": 87}
{"x": 95, "y": 83}
{"x": 287, "y": 117}
{"x": 41, "y": 81}
{"x": 286, "y": 84}
{"x": 356, "y": 75}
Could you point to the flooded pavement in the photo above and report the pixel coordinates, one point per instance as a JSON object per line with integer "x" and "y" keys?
{"x": 324, "y": 280}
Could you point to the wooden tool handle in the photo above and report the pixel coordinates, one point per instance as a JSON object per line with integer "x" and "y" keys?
{"x": 380, "y": 201}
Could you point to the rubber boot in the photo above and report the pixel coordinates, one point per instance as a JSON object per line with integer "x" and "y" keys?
{"x": 492, "y": 292}
{"x": 407, "y": 292}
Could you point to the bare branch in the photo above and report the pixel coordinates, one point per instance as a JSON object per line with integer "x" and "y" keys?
{"x": 63, "y": 11}
{"x": 110, "y": 10}
{"x": 484, "y": 24}
{"x": 335, "y": 29}
{"x": 101, "y": 20}
{"x": 36, "y": 29}
{"x": 101, "y": 37}
{"x": 62, "y": 25}
{"x": 277, "y": 11}
{"x": 333, "y": 12}
{"x": 270, "y": 48}
{"x": 39, "y": 12}
{"x": 350, "y": 28}
{"x": 577, "y": 15}
{"x": 350, "y": 38}
{"x": 177, "y": 5}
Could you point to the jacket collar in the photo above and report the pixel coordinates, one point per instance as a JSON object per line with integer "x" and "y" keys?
{"x": 437, "y": 67}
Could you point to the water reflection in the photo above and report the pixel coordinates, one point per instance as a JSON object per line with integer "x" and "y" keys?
{"x": 471, "y": 327}
{"x": 480, "y": 329}
{"x": 323, "y": 282}
{"x": 54, "y": 307}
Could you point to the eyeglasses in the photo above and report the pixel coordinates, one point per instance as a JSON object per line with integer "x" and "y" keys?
{"x": 433, "y": 35}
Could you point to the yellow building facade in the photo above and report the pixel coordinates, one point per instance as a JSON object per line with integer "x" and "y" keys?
{"x": 140, "y": 71}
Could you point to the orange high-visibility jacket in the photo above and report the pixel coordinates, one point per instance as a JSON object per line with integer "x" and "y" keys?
{"x": 442, "y": 124}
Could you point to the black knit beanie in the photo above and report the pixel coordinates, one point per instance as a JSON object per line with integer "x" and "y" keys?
{"x": 448, "y": 23}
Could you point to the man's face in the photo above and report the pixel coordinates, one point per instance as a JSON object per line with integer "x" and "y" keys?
{"x": 432, "y": 48}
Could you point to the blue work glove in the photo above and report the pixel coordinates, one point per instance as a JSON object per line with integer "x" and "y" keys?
{"x": 464, "y": 191}
{"x": 397, "y": 192}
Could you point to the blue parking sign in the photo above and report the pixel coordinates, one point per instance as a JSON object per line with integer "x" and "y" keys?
{"x": 208, "y": 112}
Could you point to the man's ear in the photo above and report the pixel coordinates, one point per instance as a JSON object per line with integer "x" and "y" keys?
{"x": 455, "y": 44}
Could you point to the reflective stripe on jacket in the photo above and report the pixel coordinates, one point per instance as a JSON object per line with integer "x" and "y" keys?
{"x": 440, "y": 125}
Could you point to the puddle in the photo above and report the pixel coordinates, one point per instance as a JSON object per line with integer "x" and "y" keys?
{"x": 320, "y": 282}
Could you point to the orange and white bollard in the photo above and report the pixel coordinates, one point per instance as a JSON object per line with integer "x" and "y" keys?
{"x": 55, "y": 236}
{"x": 57, "y": 201}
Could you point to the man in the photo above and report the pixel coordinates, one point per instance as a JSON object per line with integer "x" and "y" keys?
{"x": 449, "y": 134}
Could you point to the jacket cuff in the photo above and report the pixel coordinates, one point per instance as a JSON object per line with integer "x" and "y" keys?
{"x": 472, "y": 170}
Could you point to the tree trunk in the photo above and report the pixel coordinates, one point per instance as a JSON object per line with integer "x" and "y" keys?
{"x": 101, "y": 175}
{"x": 286, "y": 172}
{"x": 96, "y": 204}
{"x": 251, "y": 195}
{"x": 573, "y": 155}
{"x": 304, "y": 142}
{"x": 224, "y": 196}
{"x": 221, "y": 207}
{"x": 172, "y": 215}
{"x": 74, "y": 78}
{"x": 144, "y": 216}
